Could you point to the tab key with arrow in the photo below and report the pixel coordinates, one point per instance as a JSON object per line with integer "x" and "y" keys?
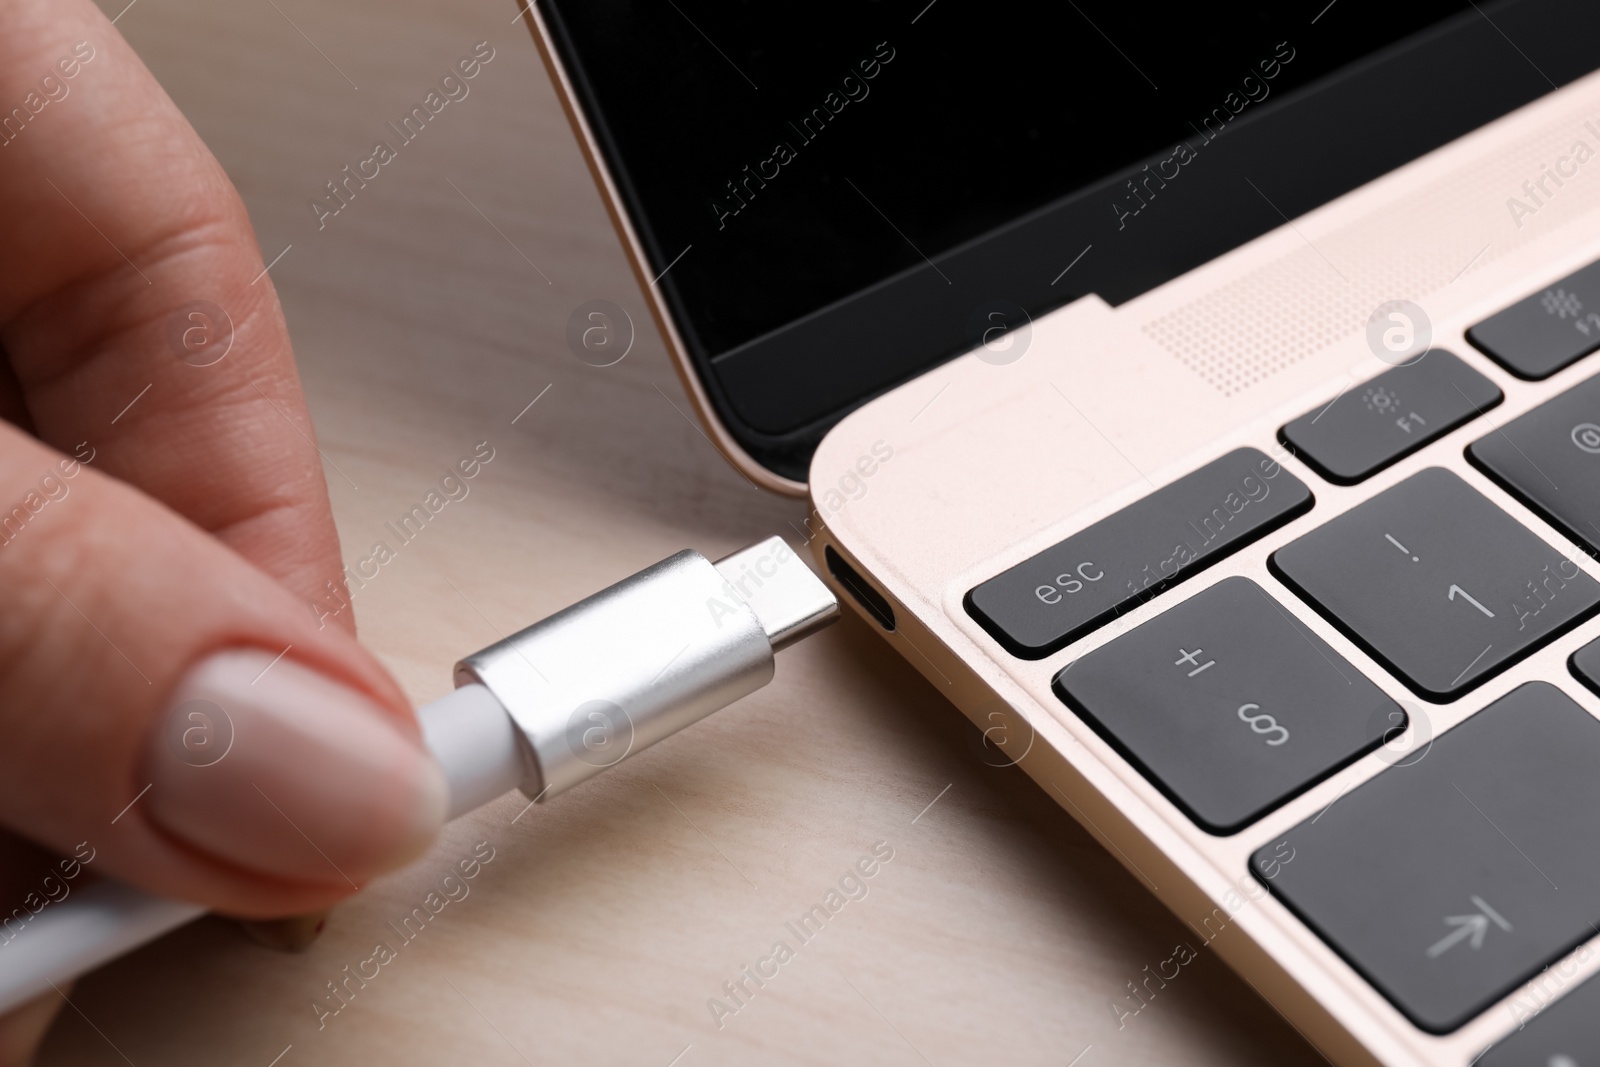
{"x": 1474, "y": 926}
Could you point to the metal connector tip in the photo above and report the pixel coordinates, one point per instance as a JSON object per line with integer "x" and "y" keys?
{"x": 790, "y": 601}
{"x": 637, "y": 662}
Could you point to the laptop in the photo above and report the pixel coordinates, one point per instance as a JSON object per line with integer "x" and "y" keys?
{"x": 1204, "y": 399}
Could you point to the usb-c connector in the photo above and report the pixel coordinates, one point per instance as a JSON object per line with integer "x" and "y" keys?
{"x": 790, "y": 602}
{"x": 631, "y": 665}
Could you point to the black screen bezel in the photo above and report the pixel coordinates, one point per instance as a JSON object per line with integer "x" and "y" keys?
{"x": 1312, "y": 146}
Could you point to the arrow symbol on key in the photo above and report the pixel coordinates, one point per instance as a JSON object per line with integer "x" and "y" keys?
{"x": 1474, "y": 926}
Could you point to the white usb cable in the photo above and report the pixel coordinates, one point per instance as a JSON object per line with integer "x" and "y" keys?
{"x": 540, "y": 711}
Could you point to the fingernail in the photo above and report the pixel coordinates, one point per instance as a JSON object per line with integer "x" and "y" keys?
{"x": 268, "y": 765}
{"x": 294, "y": 934}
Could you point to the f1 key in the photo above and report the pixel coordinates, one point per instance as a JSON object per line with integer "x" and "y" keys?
{"x": 1369, "y": 426}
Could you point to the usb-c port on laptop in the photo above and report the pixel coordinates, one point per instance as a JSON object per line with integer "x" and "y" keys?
{"x": 875, "y": 603}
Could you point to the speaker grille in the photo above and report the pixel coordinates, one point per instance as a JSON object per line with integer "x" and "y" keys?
{"x": 1297, "y": 305}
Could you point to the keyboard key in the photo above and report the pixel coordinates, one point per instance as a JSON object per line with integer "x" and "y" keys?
{"x": 1228, "y": 704}
{"x": 1368, "y": 427}
{"x": 1536, "y": 337}
{"x": 1450, "y": 881}
{"x": 1585, "y": 664}
{"x": 1565, "y": 1034}
{"x": 1550, "y": 460}
{"x": 1046, "y": 602}
{"x": 1438, "y": 583}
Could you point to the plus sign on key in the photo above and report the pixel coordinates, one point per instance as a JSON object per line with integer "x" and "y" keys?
{"x": 1190, "y": 659}
{"x": 1228, "y": 705}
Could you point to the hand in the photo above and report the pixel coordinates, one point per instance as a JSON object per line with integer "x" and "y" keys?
{"x": 170, "y": 701}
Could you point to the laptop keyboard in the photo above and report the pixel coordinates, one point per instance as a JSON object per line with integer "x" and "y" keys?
{"x": 1043, "y": 604}
{"x": 1449, "y": 882}
{"x": 1547, "y": 331}
{"x": 1549, "y": 459}
{"x": 1561, "y": 1035}
{"x": 1229, "y": 705}
{"x": 1437, "y": 880}
{"x": 1438, "y": 583}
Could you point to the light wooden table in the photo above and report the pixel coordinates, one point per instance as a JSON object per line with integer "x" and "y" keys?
{"x": 1000, "y": 932}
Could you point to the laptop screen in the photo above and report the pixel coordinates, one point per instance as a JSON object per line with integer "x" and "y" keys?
{"x": 835, "y": 197}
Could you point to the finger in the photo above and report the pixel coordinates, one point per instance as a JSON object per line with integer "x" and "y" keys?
{"x": 293, "y": 934}
{"x": 23, "y": 1029}
{"x": 12, "y": 408}
{"x": 133, "y": 302}
{"x": 173, "y": 710}
{"x": 29, "y": 877}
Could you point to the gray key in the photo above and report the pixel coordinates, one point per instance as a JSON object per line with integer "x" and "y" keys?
{"x": 1536, "y": 337}
{"x": 1585, "y": 665}
{"x": 1550, "y": 459}
{"x": 1043, "y": 603}
{"x": 1451, "y": 881}
{"x": 1565, "y": 1034}
{"x": 1438, "y": 583}
{"x": 1369, "y": 426}
{"x": 1228, "y": 705}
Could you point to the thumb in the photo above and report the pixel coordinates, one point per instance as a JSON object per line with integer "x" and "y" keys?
{"x": 177, "y": 715}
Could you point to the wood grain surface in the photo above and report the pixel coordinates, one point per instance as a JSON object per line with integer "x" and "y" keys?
{"x": 427, "y": 315}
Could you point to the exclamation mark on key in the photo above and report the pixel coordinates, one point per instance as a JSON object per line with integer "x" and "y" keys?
{"x": 1397, "y": 544}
